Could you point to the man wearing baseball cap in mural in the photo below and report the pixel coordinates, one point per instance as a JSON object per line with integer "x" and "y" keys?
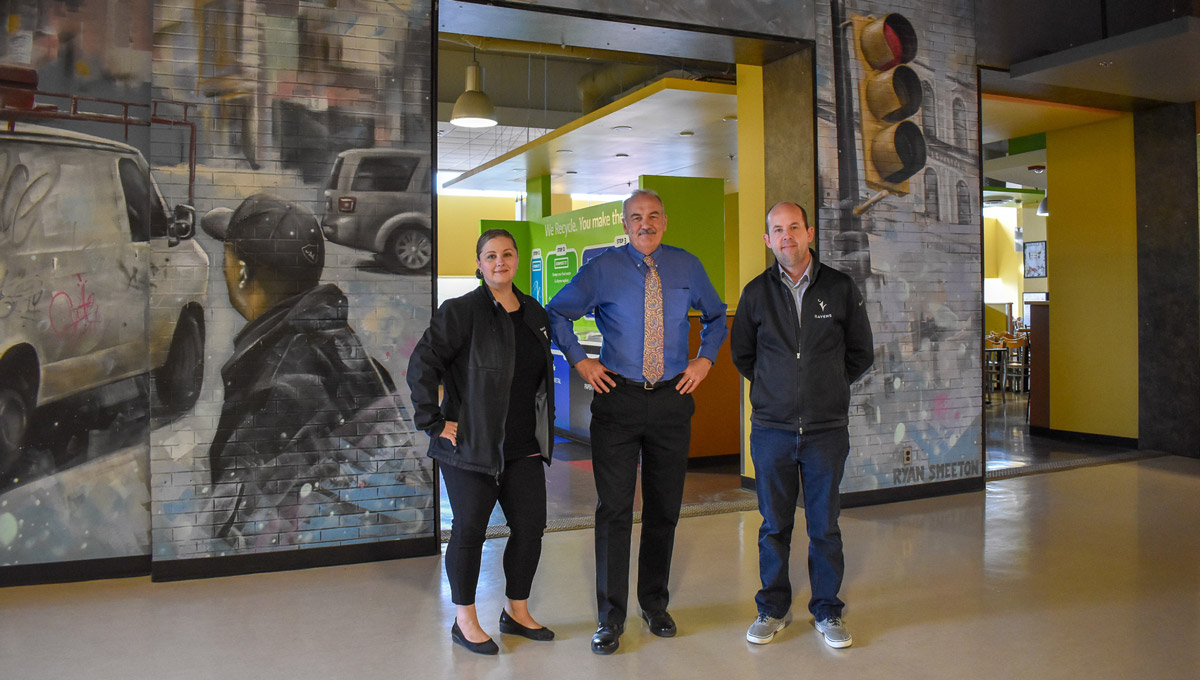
{"x": 299, "y": 381}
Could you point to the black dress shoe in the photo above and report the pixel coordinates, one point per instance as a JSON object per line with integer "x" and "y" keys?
{"x": 661, "y": 623}
{"x": 607, "y": 638}
{"x": 510, "y": 627}
{"x": 488, "y": 646}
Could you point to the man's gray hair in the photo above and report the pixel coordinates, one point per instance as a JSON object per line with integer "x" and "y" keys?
{"x": 642, "y": 192}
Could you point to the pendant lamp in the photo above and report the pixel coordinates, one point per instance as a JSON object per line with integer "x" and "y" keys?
{"x": 473, "y": 109}
{"x": 1043, "y": 209}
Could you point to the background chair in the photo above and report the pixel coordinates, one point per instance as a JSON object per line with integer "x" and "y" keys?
{"x": 994, "y": 367}
{"x": 1016, "y": 367}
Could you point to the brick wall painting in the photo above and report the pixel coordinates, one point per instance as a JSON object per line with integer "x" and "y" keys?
{"x": 916, "y": 256}
{"x": 83, "y": 252}
{"x": 268, "y": 410}
{"x": 305, "y": 439}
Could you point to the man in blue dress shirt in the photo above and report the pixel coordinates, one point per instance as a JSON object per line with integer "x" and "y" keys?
{"x": 640, "y": 294}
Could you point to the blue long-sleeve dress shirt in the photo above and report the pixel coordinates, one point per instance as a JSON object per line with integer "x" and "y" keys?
{"x": 612, "y": 286}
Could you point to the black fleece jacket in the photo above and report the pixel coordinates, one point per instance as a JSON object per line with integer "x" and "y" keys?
{"x": 800, "y": 374}
{"x": 469, "y": 349}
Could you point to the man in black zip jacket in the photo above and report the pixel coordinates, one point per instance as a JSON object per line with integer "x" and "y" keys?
{"x": 800, "y": 336}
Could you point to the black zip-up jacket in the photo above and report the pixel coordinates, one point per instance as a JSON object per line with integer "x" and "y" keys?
{"x": 469, "y": 348}
{"x": 800, "y": 374}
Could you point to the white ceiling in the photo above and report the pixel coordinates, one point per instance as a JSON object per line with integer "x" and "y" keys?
{"x": 460, "y": 149}
{"x": 589, "y": 156}
{"x": 1019, "y": 168}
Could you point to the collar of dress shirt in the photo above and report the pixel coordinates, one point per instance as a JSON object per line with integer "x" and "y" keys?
{"x": 636, "y": 255}
{"x": 806, "y": 275}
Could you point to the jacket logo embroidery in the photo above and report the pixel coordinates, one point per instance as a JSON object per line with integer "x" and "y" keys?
{"x": 821, "y": 303}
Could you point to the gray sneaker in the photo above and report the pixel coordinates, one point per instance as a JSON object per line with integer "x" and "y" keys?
{"x": 765, "y": 627}
{"x": 835, "y": 632}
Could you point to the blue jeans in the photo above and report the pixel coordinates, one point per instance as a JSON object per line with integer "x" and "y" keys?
{"x": 783, "y": 460}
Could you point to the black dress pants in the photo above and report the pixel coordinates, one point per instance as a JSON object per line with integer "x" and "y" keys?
{"x": 522, "y": 496}
{"x": 628, "y": 421}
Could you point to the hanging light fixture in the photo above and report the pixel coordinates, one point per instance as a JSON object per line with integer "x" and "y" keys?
{"x": 1043, "y": 209}
{"x": 473, "y": 109}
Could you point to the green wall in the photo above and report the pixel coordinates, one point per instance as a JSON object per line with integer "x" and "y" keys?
{"x": 695, "y": 219}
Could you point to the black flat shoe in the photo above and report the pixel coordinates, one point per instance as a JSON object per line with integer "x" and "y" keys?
{"x": 660, "y": 622}
{"x": 607, "y": 638}
{"x": 488, "y": 647}
{"x": 510, "y": 627}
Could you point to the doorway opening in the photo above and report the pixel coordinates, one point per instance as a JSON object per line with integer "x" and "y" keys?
{"x": 538, "y": 90}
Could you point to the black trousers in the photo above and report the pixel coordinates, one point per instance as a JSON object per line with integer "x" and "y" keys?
{"x": 522, "y": 496}
{"x": 628, "y": 421}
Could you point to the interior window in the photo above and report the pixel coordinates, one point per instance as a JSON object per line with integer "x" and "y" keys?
{"x": 384, "y": 173}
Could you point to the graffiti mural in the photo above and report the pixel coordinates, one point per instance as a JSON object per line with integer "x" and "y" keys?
{"x": 304, "y": 439}
{"x": 169, "y": 393}
{"x": 906, "y": 228}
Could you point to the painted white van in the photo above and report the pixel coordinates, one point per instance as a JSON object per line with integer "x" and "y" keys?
{"x": 99, "y": 281}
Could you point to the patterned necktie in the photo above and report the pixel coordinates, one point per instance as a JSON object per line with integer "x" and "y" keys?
{"x": 652, "y": 346}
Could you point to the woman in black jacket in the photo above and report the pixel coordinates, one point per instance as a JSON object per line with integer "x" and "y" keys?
{"x": 490, "y": 351}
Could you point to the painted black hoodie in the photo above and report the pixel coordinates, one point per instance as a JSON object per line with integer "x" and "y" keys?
{"x": 304, "y": 405}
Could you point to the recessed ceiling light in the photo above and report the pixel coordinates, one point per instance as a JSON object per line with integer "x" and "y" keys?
{"x": 622, "y": 155}
{"x": 572, "y": 172}
{"x": 622, "y": 128}
{"x": 731, "y": 118}
{"x": 686, "y": 133}
{"x": 565, "y": 151}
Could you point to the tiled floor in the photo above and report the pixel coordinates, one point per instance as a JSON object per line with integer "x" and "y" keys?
{"x": 571, "y": 493}
{"x": 1086, "y": 573}
{"x": 1009, "y": 445}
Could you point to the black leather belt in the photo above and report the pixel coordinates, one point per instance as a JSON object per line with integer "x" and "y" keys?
{"x": 649, "y": 387}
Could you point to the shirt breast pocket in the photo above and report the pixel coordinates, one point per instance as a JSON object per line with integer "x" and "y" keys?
{"x": 677, "y": 300}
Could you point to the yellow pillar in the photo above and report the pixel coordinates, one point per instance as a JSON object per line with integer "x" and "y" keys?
{"x": 1091, "y": 251}
{"x": 751, "y": 209}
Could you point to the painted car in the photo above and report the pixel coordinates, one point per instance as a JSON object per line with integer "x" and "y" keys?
{"x": 378, "y": 200}
{"x": 99, "y": 281}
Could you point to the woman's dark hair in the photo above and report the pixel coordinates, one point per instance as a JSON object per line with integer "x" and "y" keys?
{"x": 491, "y": 234}
{"x": 488, "y": 236}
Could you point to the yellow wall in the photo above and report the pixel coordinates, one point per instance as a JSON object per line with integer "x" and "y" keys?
{"x": 1003, "y": 271}
{"x": 1034, "y": 228}
{"x": 458, "y": 229}
{"x": 733, "y": 283}
{"x": 586, "y": 203}
{"x": 990, "y": 226}
{"x": 752, "y": 255}
{"x": 994, "y": 319}
{"x": 561, "y": 203}
{"x": 1092, "y": 252}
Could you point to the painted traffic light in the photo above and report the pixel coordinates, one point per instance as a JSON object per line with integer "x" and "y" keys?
{"x": 889, "y": 94}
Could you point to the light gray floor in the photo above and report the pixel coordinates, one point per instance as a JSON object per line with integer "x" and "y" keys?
{"x": 1089, "y": 573}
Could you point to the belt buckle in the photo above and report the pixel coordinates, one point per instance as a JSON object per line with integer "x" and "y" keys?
{"x": 647, "y": 386}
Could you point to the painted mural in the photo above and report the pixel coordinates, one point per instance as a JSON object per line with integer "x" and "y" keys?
{"x": 902, "y": 219}
{"x": 187, "y": 392}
